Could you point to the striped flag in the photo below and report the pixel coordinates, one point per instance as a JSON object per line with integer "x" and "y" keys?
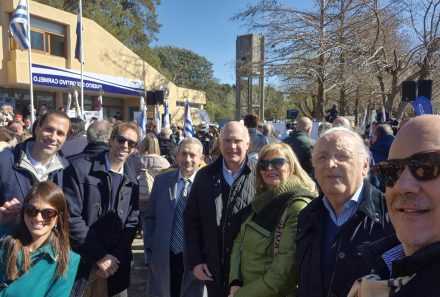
{"x": 384, "y": 115}
{"x": 166, "y": 120}
{"x": 143, "y": 121}
{"x": 158, "y": 121}
{"x": 188, "y": 125}
{"x": 364, "y": 120}
{"x": 78, "y": 36}
{"x": 100, "y": 111}
{"x": 18, "y": 25}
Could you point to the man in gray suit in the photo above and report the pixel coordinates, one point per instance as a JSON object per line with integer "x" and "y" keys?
{"x": 167, "y": 275}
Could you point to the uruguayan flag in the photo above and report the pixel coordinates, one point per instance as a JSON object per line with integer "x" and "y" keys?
{"x": 143, "y": 121}
{"x": 100, "y": 111}
{"x": 18, "y": 25}
{"x": 166, "y": 120}
{"x": 188, "y": 126}
{"x": 158, "y": 121}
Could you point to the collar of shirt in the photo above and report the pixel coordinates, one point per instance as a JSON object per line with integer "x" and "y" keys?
{"x": 109, "y": 168}
{"x": 191, "y": 178}
{"x": 229, "y": 176}
{"x": 348, "y": 210}
{"x": 40, "y": 169}
{"x": 396, "y": 253}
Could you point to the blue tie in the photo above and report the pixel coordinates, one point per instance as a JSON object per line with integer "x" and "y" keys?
{"x": 177, "y": 231}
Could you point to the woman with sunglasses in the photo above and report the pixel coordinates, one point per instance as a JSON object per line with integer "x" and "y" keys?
{"x": 35, "y": 255}
{"x": 263, "y": 255}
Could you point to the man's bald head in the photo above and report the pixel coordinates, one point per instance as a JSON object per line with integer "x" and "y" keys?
{"x": 341, "y": 122}
{"x": 304, "y": 124}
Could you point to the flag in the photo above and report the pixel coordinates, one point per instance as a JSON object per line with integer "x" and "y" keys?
{"x": 18, "y": 25}
{"x": 188, "y": 125}
{"x": 143, "y": 121}
{"x": 384, "y": 115}
{"x": 166, "y": 120}
{"x": 158, "y": 121}
{"x": 422, "y": 105}
{"x": 100, "y": 111}
{"x": 364, "y": 120}
{"x": 77, "y": 107}
{"x": 372, "y": 120}
{"x": 78, "y": 36}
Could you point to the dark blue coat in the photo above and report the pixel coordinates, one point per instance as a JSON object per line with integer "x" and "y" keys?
{"x": 381, "y": 148}
{"x": 95, "y": 229}
{"x": 16, "y": 181}
{"x": 368, "y": 224}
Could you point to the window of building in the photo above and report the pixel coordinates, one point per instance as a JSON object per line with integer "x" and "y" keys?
{"x": 46, "y": 37}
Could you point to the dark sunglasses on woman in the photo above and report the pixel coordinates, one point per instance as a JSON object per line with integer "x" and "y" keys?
{"x": 47, "y": 214}
{"x": 121, "y": 140}
{"x": 276, "y": 163}
{"x": 423, "y": 166}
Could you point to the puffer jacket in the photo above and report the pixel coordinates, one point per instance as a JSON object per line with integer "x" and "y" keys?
{"x": 368, "y": 224}
{"x": 154, "y": 163}
{"x": 254, "y": 263}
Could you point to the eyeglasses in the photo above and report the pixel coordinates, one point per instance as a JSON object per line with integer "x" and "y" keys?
{"x": 121, "y": 140}
{"x": 423, "y": 166}
{"x": 276, "y": 163}
{"x": 47, "y": 214}
{"x": 341, "y": 157}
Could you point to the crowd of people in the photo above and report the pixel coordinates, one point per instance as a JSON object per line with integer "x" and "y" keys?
{"x": 238, "y": 211}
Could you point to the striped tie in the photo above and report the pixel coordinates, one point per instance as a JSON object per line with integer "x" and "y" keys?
{"x": 177, "y": 231}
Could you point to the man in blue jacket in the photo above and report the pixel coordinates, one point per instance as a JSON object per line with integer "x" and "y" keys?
{"x": 36, "y": 159}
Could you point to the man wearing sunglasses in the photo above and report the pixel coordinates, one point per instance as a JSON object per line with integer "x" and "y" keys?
{"x": 102, "y": 194}
{"x": 409, "y": 260}
{"x": 349, "y": 213}
{"x": 36, "y": 159}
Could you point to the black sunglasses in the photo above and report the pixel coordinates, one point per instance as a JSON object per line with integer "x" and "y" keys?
{"x": 277, "y": 163}
{"x": 47, "y": 214}
{"x": 423, "y": 166}
{"x": 121, "y": 140}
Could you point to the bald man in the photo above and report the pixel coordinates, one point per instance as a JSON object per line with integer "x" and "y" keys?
{"x": 302, "y": 144}
{"x": 411, "y": 257}
{"x": 217, "y": 205}
{"x": 341, "y": 122}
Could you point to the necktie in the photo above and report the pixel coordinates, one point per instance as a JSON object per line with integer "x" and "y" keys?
{"x": 177, "y": 231}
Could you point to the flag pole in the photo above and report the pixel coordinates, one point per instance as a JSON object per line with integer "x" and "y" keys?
{"x": 82, "y": 59}
{"x": 31, "y": 85}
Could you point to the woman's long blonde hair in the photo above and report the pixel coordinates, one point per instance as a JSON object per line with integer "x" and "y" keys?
{"x": 286, "y": 152}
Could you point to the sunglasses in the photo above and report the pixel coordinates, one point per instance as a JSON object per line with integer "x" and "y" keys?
{"x": 276, "y": 163}
{"x": 47, "y": 214}
{"x": 423, "y": 166}
{"x": 121, "y": 140}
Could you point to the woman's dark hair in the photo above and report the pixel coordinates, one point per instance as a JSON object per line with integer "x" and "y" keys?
{"x": 19, "y": 242}
{"x": 6, "y": 134}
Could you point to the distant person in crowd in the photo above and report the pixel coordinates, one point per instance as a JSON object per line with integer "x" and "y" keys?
{"x": 214, "y": 152}
{"x": 341, "y": 122}
{"x": 217, "y": 205}
{"x": 102, "y": 195}
{"x": 324, "y": 126}
{"x": 251, "y": 123}
{"x": 169, "y": 276}
{"x": 263, "y": 256}
{"x": 257, "y": 141}
{"x": 43, "y": 109}
{"x": 17, "y": 127}
{"x": 8, "y": 138}
{"x": 117, "y": 116}
{"x": 77, "y": 140}
{"x": 28, "y": 124}
{"x": 98, "y": 135}
{"x": 147, "y": 164}
{"x": 36, "y": 159}
{"x": 267, "y": 130}
{"x": 167, "y": 146}
{"x": 61, "y": 108}
{"x": 35, "y": 254}
{"x": 406, "y": 263}
{"x": 302, "y": 144}
{"x": 6, "y": 115}
{"x": 350, "y": 212}
{"x": 151, "y": 127}
{"x": 202, "y": 134}
{"x": 381, "y": 142}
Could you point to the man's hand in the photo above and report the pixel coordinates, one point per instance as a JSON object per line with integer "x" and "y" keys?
{"x": 107, "y": 266}
{"x": 10, "y": 212}
{"x": 201, "y": 272}
{"x": 233, "y": 290}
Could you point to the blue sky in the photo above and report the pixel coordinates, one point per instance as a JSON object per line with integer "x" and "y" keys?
{"x": 203, "y": 26}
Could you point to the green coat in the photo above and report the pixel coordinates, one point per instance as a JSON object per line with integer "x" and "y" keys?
{"x": 39, "y": 281}
{"x": 253, "y": 263}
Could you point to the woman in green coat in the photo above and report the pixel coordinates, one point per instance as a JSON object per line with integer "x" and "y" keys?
{"x": 263, "y": 255}
{"x": 35, "y": 258}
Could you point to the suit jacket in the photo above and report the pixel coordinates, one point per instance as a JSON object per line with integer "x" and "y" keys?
{"x": 159, "y": 222}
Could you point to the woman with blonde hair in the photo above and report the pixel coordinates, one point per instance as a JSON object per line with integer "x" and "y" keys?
{"x": 263, "y": 255}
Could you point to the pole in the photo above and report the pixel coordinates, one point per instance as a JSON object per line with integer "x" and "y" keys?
{"x": 31, "y": 85}
{"x": 82, "y": 59}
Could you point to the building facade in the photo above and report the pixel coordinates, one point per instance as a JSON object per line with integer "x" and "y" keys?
{"x": 110, "y": 68}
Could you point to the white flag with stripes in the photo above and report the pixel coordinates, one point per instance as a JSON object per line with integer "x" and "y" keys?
{"x": 188, "y": 125}
{"x": 18, "y": 25}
